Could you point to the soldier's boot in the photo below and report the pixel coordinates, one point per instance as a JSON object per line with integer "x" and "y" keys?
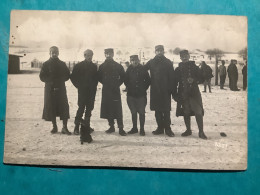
{"x": 111, "y": 129}
{"x": 186, "y": 133}
{"x": 142, "y": 121}
{"x": 76, "y": 128}
{"x": 122, "y": 132}
{"x": 169, "y": 132}
{"x": 187, "y": 123}
{"x": 199, "y": 119}
{"x": 87, "y": 121}
{"x": 158, "y": 131}
{"x": 65, "y": 128}
{"x": 134, "y": 121}
{"x": 54, "y": 129}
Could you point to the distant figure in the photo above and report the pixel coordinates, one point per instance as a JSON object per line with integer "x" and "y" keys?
{"x": 188, "y": 97}
{"x": 233, "y": 75}
{"x": 162, "y": 87}
{"x": 111, "y": 75}
{"x": 206, "y": 73}
{"x": 55, "y": 73}
{"x": 127, "y": 65}
{"x": 137, "y": 81}
{"x": 84, "y": 77}
{"x": 244, "y": 72}
{"x": 222, "y": 74}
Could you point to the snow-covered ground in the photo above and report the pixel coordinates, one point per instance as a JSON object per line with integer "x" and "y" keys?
{"x": 28, "y": 139}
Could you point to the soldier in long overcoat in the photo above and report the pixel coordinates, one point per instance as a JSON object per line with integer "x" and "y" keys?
{"x": 54, "y": 74}
{"x": 206, "y": 72}
{"x": 244, "y": 73}
{"x": 188, "y": 97}
{"x": 222, "y": 74}
{"x": 162, "y": 87}
{"x": 111, "y": 74}
{"x": 84, "y": 77}
{"x": 233, "y": 75}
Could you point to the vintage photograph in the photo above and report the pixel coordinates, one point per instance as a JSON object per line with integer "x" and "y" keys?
{"x": 139, "y": 90}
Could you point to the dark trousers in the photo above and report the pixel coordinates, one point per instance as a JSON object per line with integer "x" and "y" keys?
{"x": 244, "y": 82}
{"x": 120, "y": 124}
{"x": 85, "y": 104}
{"x": 163, "y": 119}
{"x": 222, "y": 81}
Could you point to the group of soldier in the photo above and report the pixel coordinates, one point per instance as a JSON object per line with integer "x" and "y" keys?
{"x": 165, "y": 84}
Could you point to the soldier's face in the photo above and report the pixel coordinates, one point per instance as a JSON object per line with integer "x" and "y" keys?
{"x": 159, "y": 52}
{"x": 54, "y": 53}
{"x": 109, "y": 55}
{"x": 134, "y": 62}
{"x": 185, "y": 57}
{"x": 88, "y": 57}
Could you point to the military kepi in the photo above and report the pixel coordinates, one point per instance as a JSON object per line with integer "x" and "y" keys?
{"x": 159, "y": 47}
{"x": 109, "y": 50}
{"x": 184, "y": 52}
{"x": 134, "y": 57}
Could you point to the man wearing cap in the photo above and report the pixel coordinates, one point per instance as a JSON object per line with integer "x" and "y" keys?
{"x": 233, "y": 75}
{"x": 54, "y": 74}
{"x": 111, "y": 74}
{"x": 84, "y": 78}
{"x": 188, "y": 97}
{"x": 162, "y": 87}
{"x": 222, "y": 74}
{"x": 137, "y": 81}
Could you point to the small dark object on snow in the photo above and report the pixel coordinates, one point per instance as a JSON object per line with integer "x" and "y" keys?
{"x": 24, "y": 149}
{"x": 223, "y": 134}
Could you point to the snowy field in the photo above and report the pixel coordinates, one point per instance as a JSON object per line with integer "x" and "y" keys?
{"x": 28, "y": 139}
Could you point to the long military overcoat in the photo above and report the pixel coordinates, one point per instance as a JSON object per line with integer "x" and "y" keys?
{"x": 183, "y": 73}
{"x": 162, "y": 83}
{"x": 111, "y": 75}
{"x": 54, "y": 73}
{"x": 233, "y": 76}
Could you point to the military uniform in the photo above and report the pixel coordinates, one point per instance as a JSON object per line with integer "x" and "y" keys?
{"x": 84, "y": 77}
{"x": 233, "y": 76}
{"x": 54, "y": 73}
{"x": 137, "y": 81}
{"x": 206, "y": 72}
{"x": 162, "y": 87}
{"x": 111, "y": 75}
{"x": 222, "y": 75}
{"x": 244, "y": 72}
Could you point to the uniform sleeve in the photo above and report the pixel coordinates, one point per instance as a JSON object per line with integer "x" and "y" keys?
{"x": 147, "y": 66}
{"x": 147, "y": 79}
{"x": 100, "y": 74}
{"x": 122, "y": 75}
{"x": 66, "y": 72}
{"x": 126, "y": 81}
{"x": 74, "y": 76}
{"x": 95, "y": 77}
{"x": 45, "y": 75}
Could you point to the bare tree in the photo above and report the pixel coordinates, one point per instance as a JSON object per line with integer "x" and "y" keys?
{"x": 217, "y": 53}
{"x": 243, "y": 53}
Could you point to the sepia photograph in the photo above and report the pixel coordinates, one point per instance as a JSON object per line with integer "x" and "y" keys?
{"x": 130, "y": 90}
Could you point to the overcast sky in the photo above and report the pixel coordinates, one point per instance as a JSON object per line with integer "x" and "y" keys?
{"x": 99, "y": 29}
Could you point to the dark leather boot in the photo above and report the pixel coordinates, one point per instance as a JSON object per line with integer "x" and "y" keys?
{"x": 122, "y": 132}
{"x": 202, "y": 135}
{"x": 111, "y": 130}
{"x": 142, "y": 132}
{"x": 169, "y": 132}
{"x": 186, "y": 133}
{"x": 54, "y": 129}
{"x": 133, "y": 131}
{"x": 65, "y": 131}
{"x": 76, "y": 129}
{"x": 158, "y": 131}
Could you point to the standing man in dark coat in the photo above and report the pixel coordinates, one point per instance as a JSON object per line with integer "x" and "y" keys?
{"x": 206, "y": 72}
{"x": 222, "y": 74}
{"x": 244, "y": 72}
{"x": 84, "y": 77}
{"x": 162, "y": 87}
{"x": 54, "y": 73}
{"x": 233, "y": 75}
{"x": 188, "y": 97}
{"x": 111, "y": 75}
{"x": 137, "y": 81}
